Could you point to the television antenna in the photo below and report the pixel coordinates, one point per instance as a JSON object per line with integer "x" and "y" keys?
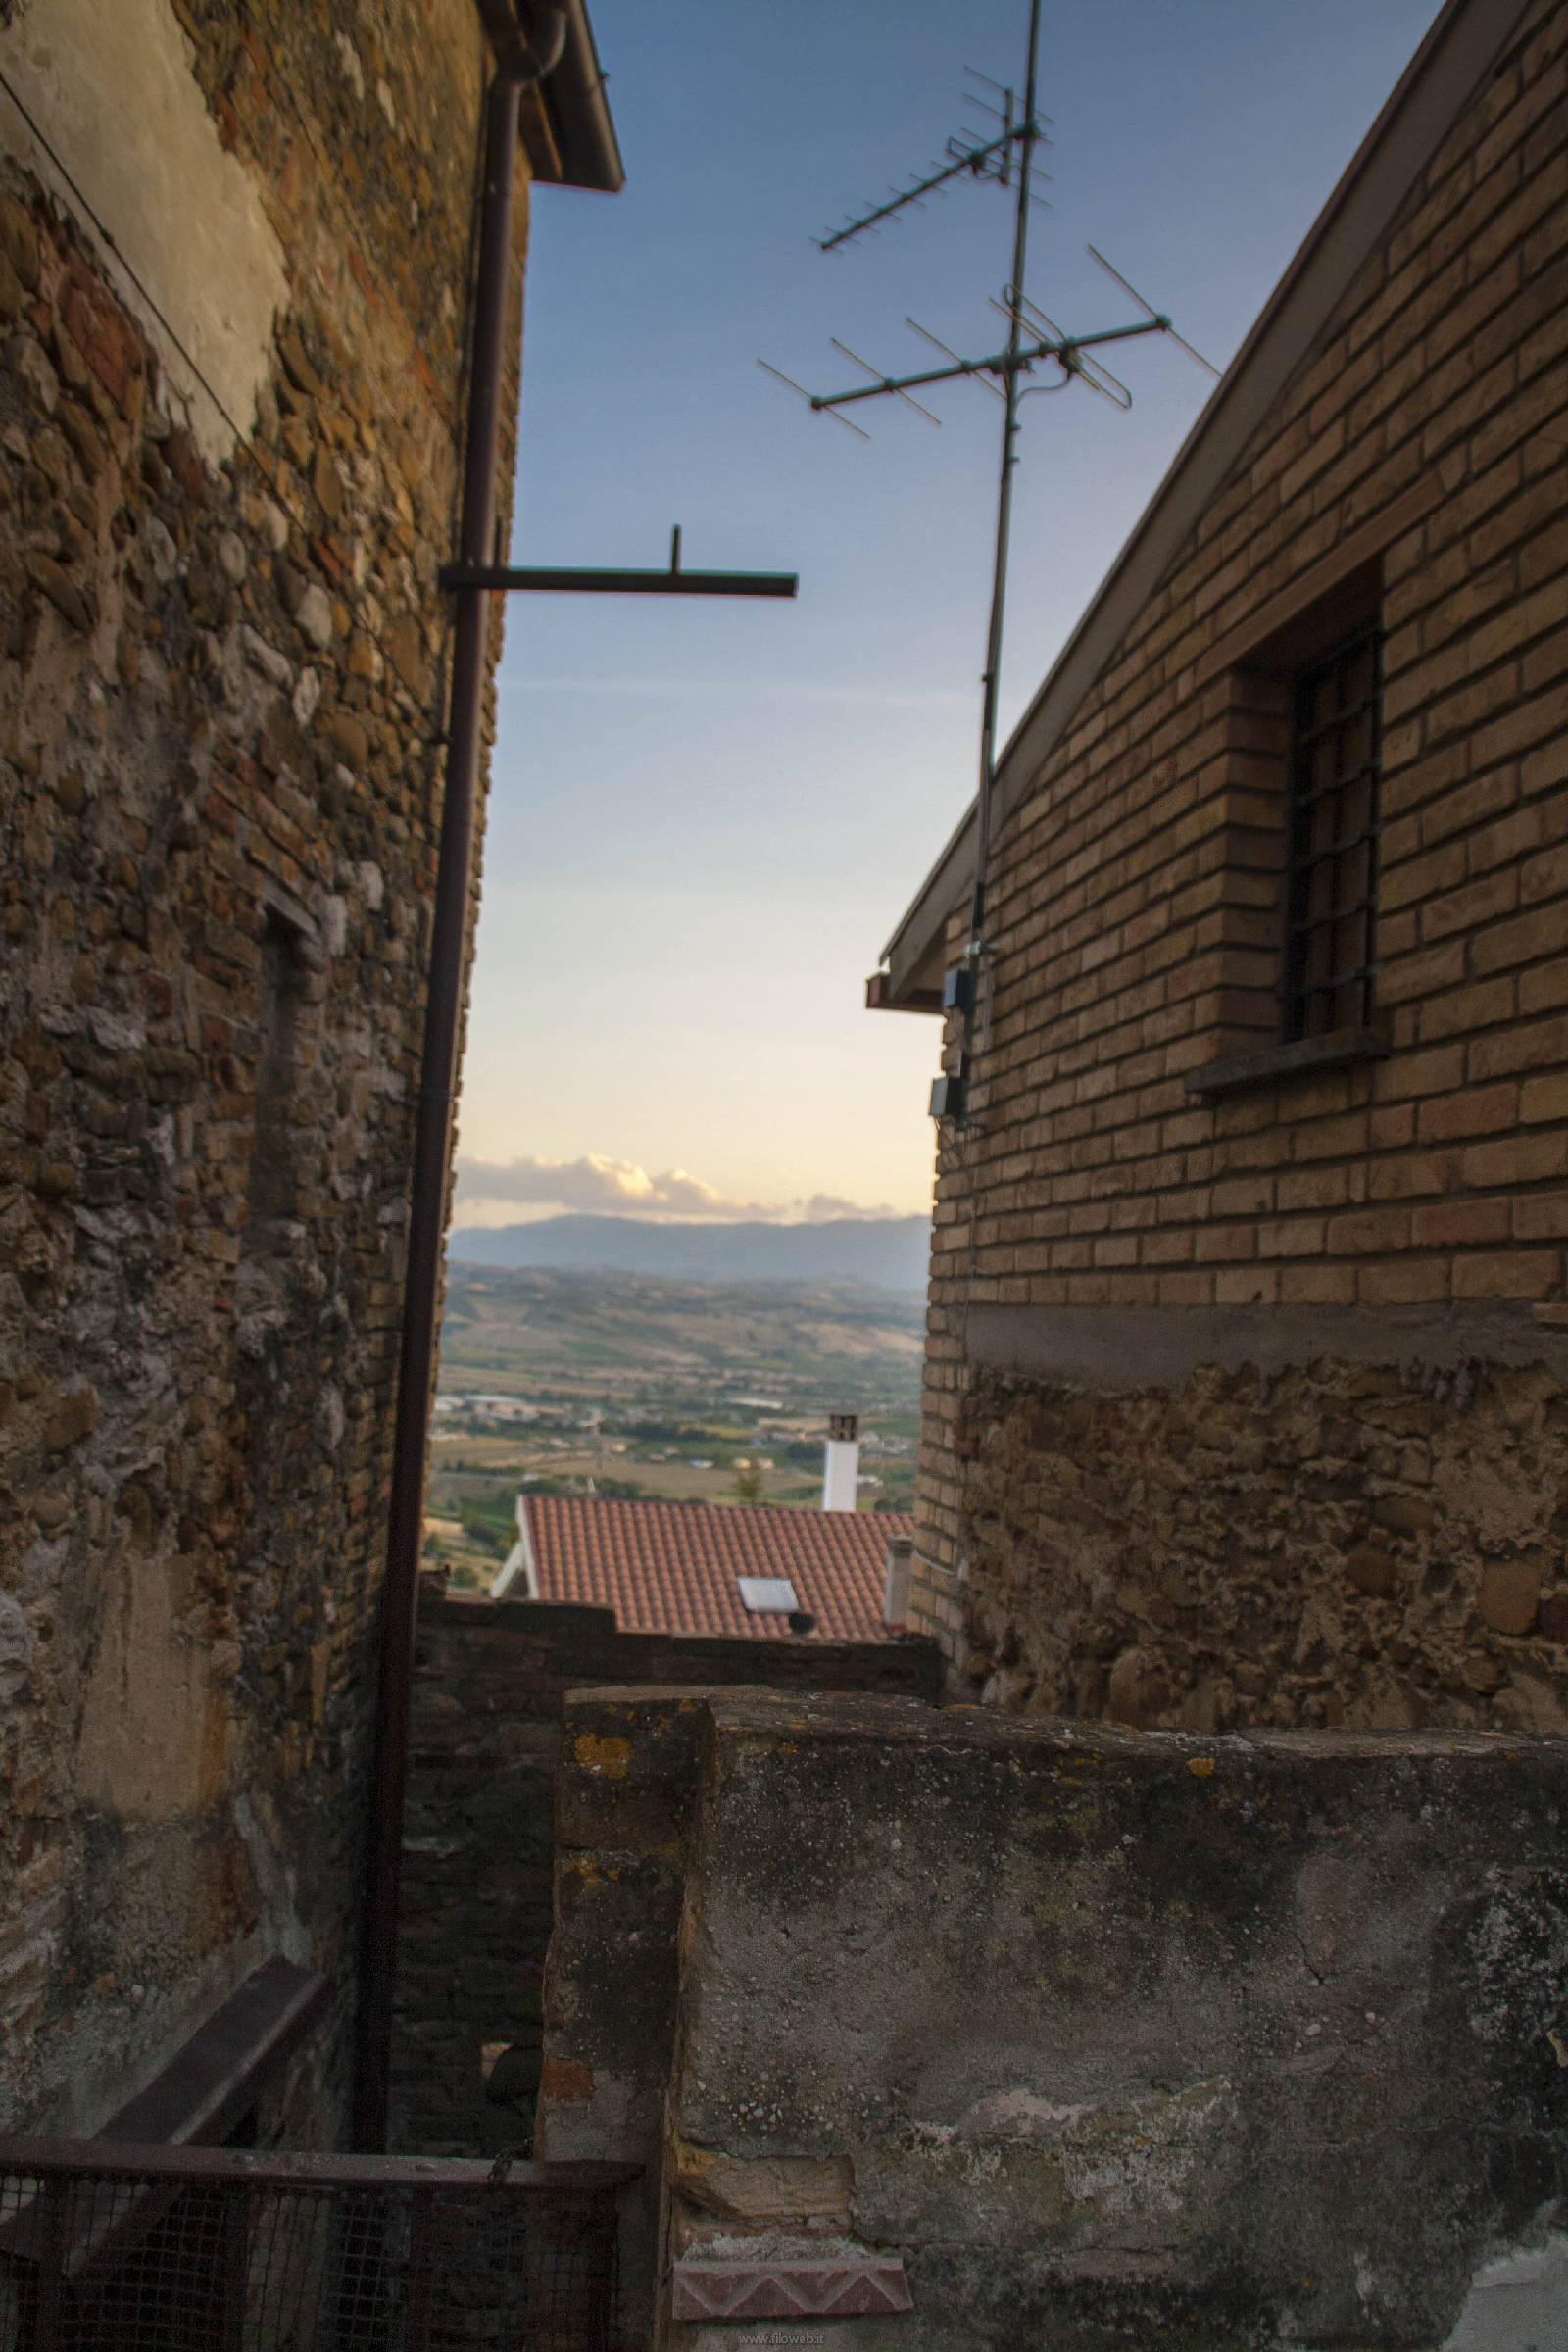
{"x": 1006, "y": 158}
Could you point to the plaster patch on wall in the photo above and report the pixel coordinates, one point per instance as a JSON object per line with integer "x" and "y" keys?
{"x": 578, "y": 2127}
{"x": 112, "y": 87}
{"x": 154, "y": 1726}
{"x": 1518, "y": 2303}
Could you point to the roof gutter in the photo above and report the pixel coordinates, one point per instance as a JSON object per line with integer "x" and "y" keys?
{"x": 566, "y": 125}
{"x": 1464, "y": 41}
{"x": 578, "y": 112}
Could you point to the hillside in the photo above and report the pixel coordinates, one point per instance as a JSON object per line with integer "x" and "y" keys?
{"x": 611, "y": 1340}
{"x": 572, "y": 1383}
{"x": 889, "y": 1252}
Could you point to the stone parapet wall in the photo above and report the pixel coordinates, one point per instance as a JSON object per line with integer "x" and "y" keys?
{"x": 490, "y": 1685}
{"x": 631, "y": 1771}
{"x": 1061, "y": 2034}
{"x": 224, "y": 495}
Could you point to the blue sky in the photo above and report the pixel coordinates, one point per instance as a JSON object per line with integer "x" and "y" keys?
{"x": 706, "y": 818}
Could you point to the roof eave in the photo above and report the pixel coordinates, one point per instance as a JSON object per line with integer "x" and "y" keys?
{"x": 1441, "y": 76}
{"x": 567, "y": 127}
{"x": 914, "y": 955}
{"x": 578, "y": 112}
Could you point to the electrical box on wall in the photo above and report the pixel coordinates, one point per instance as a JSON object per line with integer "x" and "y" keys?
{"x": 946, "y": 1098}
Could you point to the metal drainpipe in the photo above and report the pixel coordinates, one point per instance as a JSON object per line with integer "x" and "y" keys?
{"x": 519, "y": 64}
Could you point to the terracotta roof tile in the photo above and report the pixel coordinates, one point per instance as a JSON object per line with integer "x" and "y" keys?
{"x": 670, "y": 1567}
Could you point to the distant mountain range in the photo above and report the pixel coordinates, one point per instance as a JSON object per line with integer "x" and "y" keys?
{"x": 887, "y": 1251}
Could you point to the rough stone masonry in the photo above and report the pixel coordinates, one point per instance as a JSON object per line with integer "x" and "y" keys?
{"x": 225, "y": 494}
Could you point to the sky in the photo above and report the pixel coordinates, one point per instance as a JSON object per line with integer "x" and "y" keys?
{"x": 706, "y": 817}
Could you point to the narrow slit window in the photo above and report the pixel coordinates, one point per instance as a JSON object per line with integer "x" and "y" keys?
{"x": 272, "y": 1175}
{"x": 1331, "y": 920}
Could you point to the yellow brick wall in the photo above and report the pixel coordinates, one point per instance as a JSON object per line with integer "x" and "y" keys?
{"x": 1132, "y": 928}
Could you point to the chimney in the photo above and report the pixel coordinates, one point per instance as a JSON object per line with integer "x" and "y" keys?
{"x": 841, "y": 1465}
{"x": 896, "y": 1592}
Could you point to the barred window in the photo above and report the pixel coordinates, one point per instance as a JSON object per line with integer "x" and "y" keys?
{"x": 1331, "y": 851}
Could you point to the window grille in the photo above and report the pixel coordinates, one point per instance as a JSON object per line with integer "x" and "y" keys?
{"x": 1332, "y": 870}
{"x": 106, "y": 2248}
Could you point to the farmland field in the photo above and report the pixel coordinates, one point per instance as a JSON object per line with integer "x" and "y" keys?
{"x": 575, "y": 1383}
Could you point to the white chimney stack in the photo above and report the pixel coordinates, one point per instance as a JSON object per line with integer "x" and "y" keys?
{"x": 896, "y": 1592}
{"x": 841, "y": 1465}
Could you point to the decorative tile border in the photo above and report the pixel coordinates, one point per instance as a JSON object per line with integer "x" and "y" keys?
{"x": 782, "y": 2290}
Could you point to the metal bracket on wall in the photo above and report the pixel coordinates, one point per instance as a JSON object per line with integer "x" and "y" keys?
{"x": 673, "y": 582}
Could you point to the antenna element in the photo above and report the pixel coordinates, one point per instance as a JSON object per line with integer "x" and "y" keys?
{"x": 1033, "y": 340}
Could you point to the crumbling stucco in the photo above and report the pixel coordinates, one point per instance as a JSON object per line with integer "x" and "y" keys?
{"x": 1240, "y": 2041}
{"x": 109, "y": 84}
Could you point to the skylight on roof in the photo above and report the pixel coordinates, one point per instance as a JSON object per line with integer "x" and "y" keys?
{"x": 766, "y": 1595}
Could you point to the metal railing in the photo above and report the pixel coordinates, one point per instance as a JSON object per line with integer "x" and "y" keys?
{"x": 110, "y": 2248}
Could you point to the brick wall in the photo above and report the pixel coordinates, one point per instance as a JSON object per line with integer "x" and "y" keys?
{"x": 1400, "y": 1218}
{"x": 221, "y": 710}
{"x": 489, "y": 1690}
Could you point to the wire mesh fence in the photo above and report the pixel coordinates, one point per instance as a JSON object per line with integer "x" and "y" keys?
{"x": 130, "y": 2250}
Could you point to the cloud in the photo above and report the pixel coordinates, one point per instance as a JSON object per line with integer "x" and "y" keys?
{"x": 822, "y": 1205}
{"x": 594, "y": 1183}
{"x": 601, "y": 1187}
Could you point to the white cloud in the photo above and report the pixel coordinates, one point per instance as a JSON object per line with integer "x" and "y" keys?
{"x": 488, "y": 1189}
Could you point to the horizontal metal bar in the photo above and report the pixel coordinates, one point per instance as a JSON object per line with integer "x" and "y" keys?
{"x": 1331, "y": 982}
{"x": 508, "y": 577}
{"x": 1303, "y": 800}
{"x": 1356, "y": 976}
{"x": 1352, "y": 712}
{"x": 999, "y": 362}
{"x": 211, "y": 2080}
{"x": 970, "y": 161}
{"x": 1339, "y": 849}
{"x": 120, "y": 2160}
{"x": 1313, "y": 924}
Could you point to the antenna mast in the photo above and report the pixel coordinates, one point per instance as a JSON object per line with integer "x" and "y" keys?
{"x": 1028, "y": 135}
{"x": 1032, "y": 337}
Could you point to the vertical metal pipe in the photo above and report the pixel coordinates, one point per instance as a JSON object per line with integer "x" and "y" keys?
{"x": 1029, "y": 134}
{"x": 51, "y": 2313}
{"x": 433, "y": 1119}
{"x": 420, "y": 2289}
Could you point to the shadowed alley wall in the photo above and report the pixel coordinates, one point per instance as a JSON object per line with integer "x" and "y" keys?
{"x": 224, "y": 495}
{"x": 489, "y": 1692}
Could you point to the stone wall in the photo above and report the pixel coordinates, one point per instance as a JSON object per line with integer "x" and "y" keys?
{"x": 1055, "y": 2033}
{"x": 1335, "y": 1544}
{"x": 1308, "y": 1333}
{"x": 226, "y": 486}
{"x": 490, "y": 1685}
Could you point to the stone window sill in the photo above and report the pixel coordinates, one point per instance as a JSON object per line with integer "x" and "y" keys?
{"x": 1267, "y": 1065}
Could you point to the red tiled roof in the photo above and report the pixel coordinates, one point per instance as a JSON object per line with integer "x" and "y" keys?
{"x": 670, "y": 1567}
